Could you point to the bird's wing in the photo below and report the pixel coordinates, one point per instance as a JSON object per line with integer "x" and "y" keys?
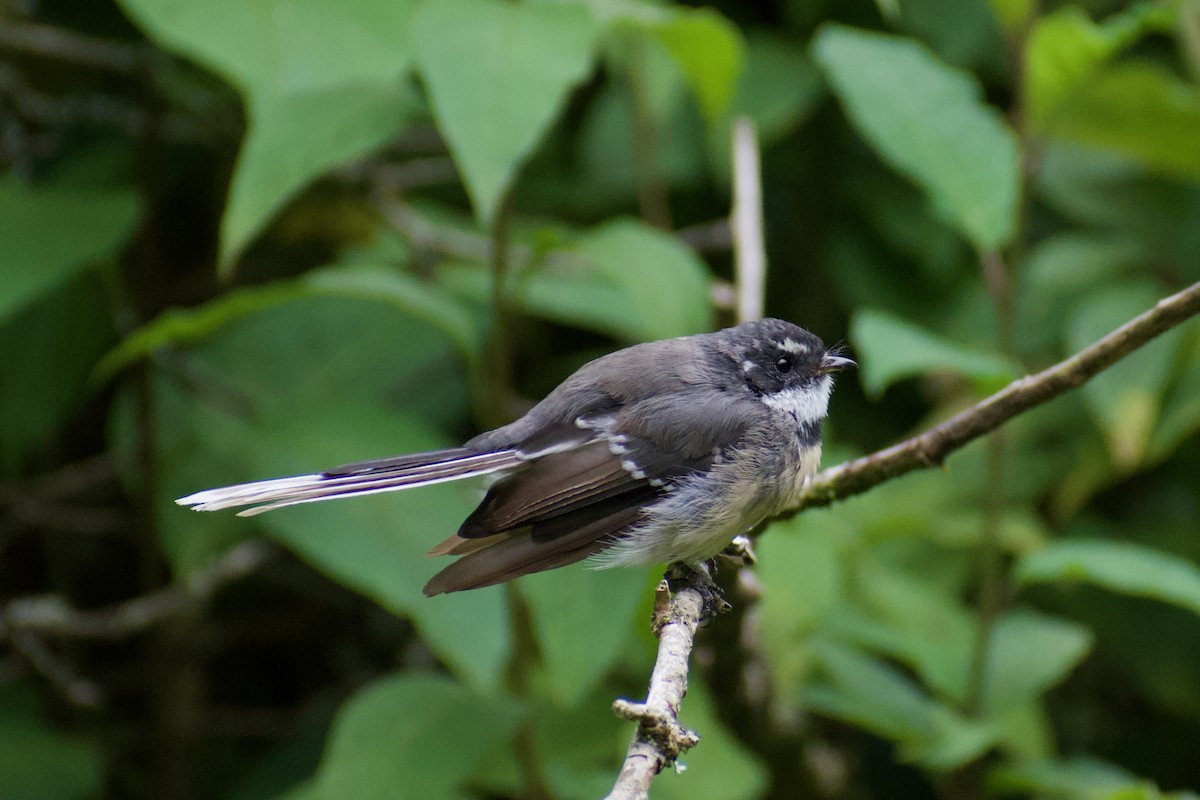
{"x": 574, "y": 502}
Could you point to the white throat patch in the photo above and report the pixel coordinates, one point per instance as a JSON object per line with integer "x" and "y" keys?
{"x": 806, "y": 404}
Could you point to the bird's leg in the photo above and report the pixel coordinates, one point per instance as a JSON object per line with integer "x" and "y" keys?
{"x": 740, "y": 551}
{"x": 698, "y": 576}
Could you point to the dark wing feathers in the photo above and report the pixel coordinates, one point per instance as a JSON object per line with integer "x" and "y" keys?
{"x": 552, "y": 485}
{"x": 511, "y": 557}
{"x": 586, "y": 483}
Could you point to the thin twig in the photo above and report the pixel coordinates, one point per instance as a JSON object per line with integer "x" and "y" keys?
{"x": 660, "y": 739}
{"x": 60, "y": 43}
{"x": 749, "y": 250}
{"x": 50, "y": 615}
{"x": 934, "y": 445}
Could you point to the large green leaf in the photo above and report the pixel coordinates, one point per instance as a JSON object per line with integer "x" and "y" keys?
{"x": 183, "y": 327}
{"x": 914, "y": 621}
{"x": 410, "y": 736}
{"x": 1119, "y": 566}
{"x": 892, "y": 348}
{"x": 48, "y": 232}
{"x": 1139, "y": 109}
{"x": 294, "y": 137}
{"x": 377, "y": 545}
{"x": 868, "y": 693}
{"x": 1065, "y": 49}
{"x": 1076, "y": 777}
{"x": 928, "y": 120}
{"x": 322, "y": 83}
{"x": 707, "y": 47}
{"x": 778, "y": 87}
{"x": 864, "y": 691}
{"x": 665, "y": 282}
{"x": 803, "y": 579}
{"x": 498, "y": 74}
{"x": 583, "y": 619}
{"x": 1029, "y": 653}
{"x": 302, "y": 386}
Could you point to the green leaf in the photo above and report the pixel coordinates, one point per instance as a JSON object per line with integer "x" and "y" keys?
{"x": 583, "y": 619}
{"x": 1118, "y": 566}
{"x": 410, "y": 736}
{"x": 1029, "y": 653}
{"x": 1126, "y": 398}
{"x": 1065, "y": 49}
{"x": 706, "y": 45}
{"x": 280, "y": 393}
{"x": 778, "y": 87}
{"x": 498, "y": 74}
{"x": 665, "y": 282}
{"x": 48, "y": 349}
{"x": 865, "y": 692}
{"x": 928, "y": 120}
{"x": 183, "y": 327}
{"x": 891, "y": 348}
{"x": 37, "y": 762}
{"x": 1139, "y": 109}
{"x": 1058, "y": 270}
{"x": 49, "y": 232}
{"x": 1013, "y": 15}
{"x": 1080, "y": 776}
{"x": 294, "y": 137}
{"x": 377, "y": 545}
{"x": 918, "y": 623}
{"x": 803, "y": 580}
{"x": 565, "y": 294}
{"x": 322, "y": 84}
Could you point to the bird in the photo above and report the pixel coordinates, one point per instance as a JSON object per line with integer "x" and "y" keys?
{"x": 659, "y": 453}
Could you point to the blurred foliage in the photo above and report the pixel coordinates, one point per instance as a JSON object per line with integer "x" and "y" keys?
{"x": 246, "y": 239}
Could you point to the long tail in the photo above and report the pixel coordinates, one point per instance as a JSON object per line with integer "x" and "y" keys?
{"x": 352, "y": 480}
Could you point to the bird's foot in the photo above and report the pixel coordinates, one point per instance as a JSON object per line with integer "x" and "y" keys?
{"x": 699, "y": 576}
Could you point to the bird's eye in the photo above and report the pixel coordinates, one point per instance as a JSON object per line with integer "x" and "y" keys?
{"x": 783, "y": 364}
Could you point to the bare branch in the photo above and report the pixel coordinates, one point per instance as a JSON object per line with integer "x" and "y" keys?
{"x": 660, "y": 739}
{"x": 50, "y": 615}
{"x": 750, "y": 255}
{"x": 60, "y": 43}
{"x": 934, "y": 445}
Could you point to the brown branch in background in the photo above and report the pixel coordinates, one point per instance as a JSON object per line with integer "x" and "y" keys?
{"x": 934, "y": 445}
{"x": 660, "y": 739}
{"x": 51, "y": 42}
{"x": 51, "y": 616}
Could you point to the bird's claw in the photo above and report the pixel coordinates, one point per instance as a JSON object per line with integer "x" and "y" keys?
{"x": 698, "y": 576}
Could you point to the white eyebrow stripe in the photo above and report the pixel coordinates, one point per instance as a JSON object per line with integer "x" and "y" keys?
{"x": 792, "y": 346}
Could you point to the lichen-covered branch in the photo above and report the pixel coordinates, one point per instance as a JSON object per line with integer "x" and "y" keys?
{"x": 660, "y": 739}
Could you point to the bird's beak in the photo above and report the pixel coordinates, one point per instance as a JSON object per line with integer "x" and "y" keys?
{"x": 832, "y": 363}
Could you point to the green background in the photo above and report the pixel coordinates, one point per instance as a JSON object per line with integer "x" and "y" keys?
{"x": 249, "y": 238}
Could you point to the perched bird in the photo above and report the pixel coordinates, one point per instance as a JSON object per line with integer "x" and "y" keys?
{"x": 659, "y": 453}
